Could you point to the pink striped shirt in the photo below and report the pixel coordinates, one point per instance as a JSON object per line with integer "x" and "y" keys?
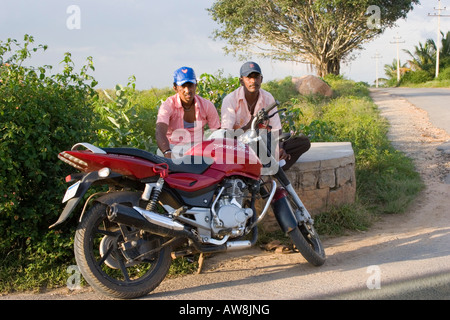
{"x": 171, "y": 112}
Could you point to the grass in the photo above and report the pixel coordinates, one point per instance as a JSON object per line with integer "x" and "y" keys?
{"x": 430, "y": 84}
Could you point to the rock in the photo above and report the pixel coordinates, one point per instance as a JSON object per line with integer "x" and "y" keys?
{"x": 312, "y": 85}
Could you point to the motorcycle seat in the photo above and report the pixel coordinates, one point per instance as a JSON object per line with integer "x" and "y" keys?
{"x": 188, "y": 164}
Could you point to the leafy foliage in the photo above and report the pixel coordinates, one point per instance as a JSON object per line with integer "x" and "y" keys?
{"x": 40, "y": 115}
{"x": 216, "y": 87}
{"x": 125, "y": 119}
{"x": 422, "y": 65}
{"x": 321, "y": 33}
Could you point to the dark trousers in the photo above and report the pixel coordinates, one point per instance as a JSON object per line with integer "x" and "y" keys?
{"x": 295, "y": 147}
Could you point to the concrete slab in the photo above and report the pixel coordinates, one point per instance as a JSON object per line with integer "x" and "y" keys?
{"x": 322, "y": 151}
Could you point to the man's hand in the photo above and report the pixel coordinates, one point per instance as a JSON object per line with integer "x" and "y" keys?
{"x": 168, "y": 154}
{"x": 283, "y": 155}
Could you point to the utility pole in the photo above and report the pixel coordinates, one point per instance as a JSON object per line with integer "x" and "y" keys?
{"x": 377, "y": 56}
{"x": 397, "y": 41}
{"x": 438, "y": 15}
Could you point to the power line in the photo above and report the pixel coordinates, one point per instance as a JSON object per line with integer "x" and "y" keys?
{"x": 377, "y": 56}
{"x": 438, "y": 15}
{"x": 397, "y": 42}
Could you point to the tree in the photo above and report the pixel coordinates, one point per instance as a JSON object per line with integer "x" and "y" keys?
{"x": 391, "y": 72}
{"x": 424, "y": 55}
{"x": 321, "y": 33}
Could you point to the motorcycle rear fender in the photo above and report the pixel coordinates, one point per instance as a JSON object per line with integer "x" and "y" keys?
{"x": 283, "y": 211}
{"x": 86, "y": 182}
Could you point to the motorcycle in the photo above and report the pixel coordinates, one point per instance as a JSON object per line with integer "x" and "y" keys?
{"x": 156, "y": 208}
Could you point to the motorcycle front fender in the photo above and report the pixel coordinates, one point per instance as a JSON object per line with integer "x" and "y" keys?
{"x": 85, "y": 184}
{"x": 283, "y": 211}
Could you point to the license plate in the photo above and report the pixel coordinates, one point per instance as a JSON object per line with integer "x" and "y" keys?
{"x": 71, "y": 191}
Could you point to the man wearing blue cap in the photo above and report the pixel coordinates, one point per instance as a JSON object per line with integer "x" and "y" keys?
{"x": 183, "y": 116}
{"x": 240, "y": 106}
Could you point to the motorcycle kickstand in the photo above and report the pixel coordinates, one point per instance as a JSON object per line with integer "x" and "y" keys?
{"x": 200, "y": 262}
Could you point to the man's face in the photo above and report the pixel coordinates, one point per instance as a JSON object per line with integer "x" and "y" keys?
{"x": 252, "y": 82}
{"x": 186, "y": 92}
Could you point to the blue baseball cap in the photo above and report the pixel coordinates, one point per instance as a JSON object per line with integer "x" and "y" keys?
{"x": 183, "y": 75}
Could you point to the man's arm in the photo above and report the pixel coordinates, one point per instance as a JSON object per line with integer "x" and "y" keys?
{"x": 161, "y": 138}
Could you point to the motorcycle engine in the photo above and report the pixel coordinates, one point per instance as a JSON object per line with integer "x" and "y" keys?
{"x": 231, "y": 218}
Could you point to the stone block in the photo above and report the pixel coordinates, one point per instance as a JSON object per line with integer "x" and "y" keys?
{"x": 327, "y": 179}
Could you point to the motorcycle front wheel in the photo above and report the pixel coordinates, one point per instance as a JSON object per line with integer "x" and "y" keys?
{"x": 103, "y": 256}
{"x": 307, "y": 241}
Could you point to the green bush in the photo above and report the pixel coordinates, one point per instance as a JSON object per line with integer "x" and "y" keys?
{"x": 444, "y": 74}
{"x": 216, "y": 87}
{"x": 419, "y": 76}
{"x": 40, "y": 115}
{"x": 127, "y": 117}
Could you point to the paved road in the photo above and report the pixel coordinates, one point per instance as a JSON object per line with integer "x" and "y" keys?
{"x": 436, "y": 101}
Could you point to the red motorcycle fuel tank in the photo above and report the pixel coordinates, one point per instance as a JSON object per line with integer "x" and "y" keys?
{"x": 229, "y": 156}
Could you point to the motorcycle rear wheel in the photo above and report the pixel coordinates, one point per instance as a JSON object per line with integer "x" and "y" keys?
{"x": 107, "y": 269}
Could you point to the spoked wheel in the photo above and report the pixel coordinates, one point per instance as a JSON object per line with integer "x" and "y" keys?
{"x": 307, "y": 241}
{"x": 116, "y": 260}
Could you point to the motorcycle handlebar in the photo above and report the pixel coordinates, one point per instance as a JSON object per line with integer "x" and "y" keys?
{"x": 263, "y": 114}
{"x": 273, "y": 105}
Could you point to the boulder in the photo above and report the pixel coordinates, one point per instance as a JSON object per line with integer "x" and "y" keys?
{"x": 312, "y": 85}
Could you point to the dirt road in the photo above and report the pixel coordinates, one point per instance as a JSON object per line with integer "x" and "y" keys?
{"x": 404, "y": 256}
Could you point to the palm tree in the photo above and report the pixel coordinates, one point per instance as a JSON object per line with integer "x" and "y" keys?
{"x": 444, "y": 52}
{"x": 391, "y": 69}
{"x": 424, "y": 56}
{"x": 391, "y": 72}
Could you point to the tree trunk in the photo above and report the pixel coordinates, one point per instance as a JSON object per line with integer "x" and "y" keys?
{"x": 334, "y": 66}
{"x": 330, "y": 66}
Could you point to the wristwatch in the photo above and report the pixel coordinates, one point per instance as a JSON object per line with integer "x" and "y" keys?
{"x": 167, "y": 151}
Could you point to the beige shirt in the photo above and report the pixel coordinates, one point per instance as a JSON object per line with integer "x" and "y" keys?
{"x": 235, "y": 113}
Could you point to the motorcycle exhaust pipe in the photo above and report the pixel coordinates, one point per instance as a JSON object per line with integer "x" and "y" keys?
{"x": 166, "y": 227}
{"x": 146, "y": 220}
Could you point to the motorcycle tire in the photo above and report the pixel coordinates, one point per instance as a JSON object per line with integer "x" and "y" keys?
{"x": 308, "y": 243}
{"x": 105, "y": 268}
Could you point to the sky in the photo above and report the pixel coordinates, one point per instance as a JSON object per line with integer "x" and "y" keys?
{"x": 151, "y": 39}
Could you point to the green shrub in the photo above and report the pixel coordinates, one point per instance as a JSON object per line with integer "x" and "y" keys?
{"x": 216, "y": 87}
{"x": 127, "y": 117}
{"x": 40, "y": 115}
{"x": 419, "y": 76}
{"x": 444, "y": 74}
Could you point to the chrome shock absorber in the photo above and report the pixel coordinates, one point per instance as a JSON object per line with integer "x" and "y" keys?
{"x": 151, "y": 194}
{"x": 153, "y": 190}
